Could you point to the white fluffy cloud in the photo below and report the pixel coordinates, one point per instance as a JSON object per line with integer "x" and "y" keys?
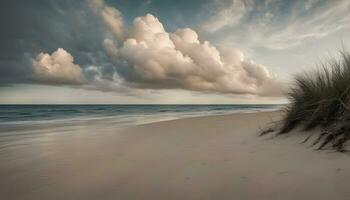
{"x": 159, "y": 59}
{"x": 57, "y": 68}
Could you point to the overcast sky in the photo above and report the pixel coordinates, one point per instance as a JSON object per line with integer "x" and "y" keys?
{"x": 163, "y": 51}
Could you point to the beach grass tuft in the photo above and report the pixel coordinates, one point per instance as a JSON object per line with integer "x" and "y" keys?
{"x": 321, "y": 98}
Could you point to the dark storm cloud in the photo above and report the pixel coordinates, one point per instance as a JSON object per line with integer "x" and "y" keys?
{"x": 30, "y": 27}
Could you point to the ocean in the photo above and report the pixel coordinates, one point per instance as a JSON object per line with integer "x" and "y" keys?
{"x": 23, "y": 126}
{"x": 19, "y": 115}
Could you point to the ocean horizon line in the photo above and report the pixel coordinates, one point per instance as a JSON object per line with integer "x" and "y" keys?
{"x": 117, "y": 104}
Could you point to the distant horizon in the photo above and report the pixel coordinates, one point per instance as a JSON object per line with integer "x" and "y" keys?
{"x": 148, "y": 104}
{"x": 126, "y": 114}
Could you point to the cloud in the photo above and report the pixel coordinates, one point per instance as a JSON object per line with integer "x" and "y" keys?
{"x": 111, "y": 17}
{"x": 158, "y": 59}
{"x": 24, "y": 33}
{"x": 324, "y": 21}
{"x": 226, "y": 15}
{"x": 98, "y": 82}
{"x": 57, "y": 68}
{"x": 275, "y": 24}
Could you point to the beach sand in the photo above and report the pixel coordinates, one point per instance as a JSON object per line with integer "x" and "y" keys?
{"x": 215, "y": 157}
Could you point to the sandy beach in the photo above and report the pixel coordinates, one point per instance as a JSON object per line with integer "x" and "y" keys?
{"x": 215, "y": 157}
{"x": 175, "y": 100}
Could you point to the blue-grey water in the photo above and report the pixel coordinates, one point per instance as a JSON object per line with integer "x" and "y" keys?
{"x": 121, "y": 114}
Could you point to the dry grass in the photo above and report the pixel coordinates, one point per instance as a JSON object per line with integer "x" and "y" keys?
{"x": 321, "y": 98}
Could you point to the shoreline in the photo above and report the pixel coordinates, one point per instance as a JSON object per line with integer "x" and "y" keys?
{"x": 212, "y": 157}
{"x": 111, "y": 120}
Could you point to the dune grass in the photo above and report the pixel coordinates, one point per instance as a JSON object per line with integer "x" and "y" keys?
{"x": 321, "y": 98}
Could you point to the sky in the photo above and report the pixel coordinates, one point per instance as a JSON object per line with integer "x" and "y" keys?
{"x": 163, "y": 51}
